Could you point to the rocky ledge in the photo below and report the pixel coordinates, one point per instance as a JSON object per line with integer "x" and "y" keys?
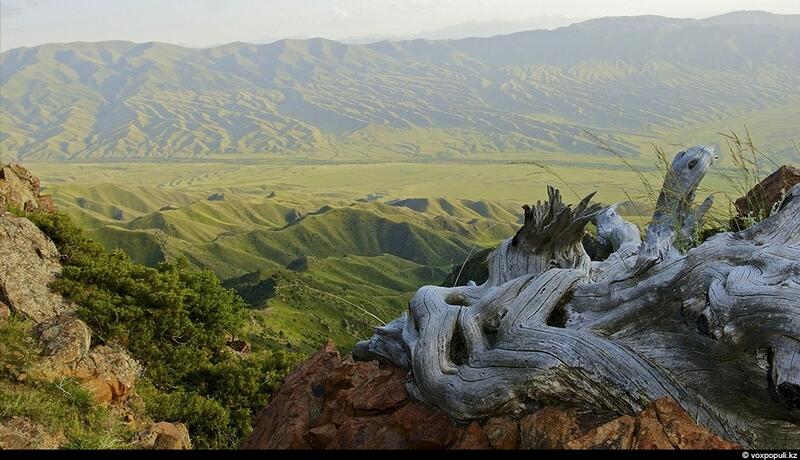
{"x": 332, "y": 403}
{"x": 29, "y": 264}
{"x": 21, "y": 189}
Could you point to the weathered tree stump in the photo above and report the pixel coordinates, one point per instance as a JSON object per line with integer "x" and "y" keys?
{"x": 716, "y": 327}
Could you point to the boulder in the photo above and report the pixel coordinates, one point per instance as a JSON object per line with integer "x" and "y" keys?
{"x": 108, "y": 373}
{"x": 66, "y": 341}
{"x": 22, "y": 433}
{"x": 290, "y": 414}
{"x": 20, "y": 189}
{"x": 765, "y": 195}
{"x": 616, "y": 434}
{"x": 425, "y": 427}
{"x": 321, "y": 436}
{"x": 663, "y": 424}
{"x": 365, "y": 386}
{"x": 165, "y": 436}
{"x": 681, "y": 431}
{"x": 649, "y": 431}
{"x": 29, "y": 263}
{"x": 503, "y": 432}
{"x": 368, "y": 433}
{"x": 473, "y": 438}
{"x": 547, "y": 428}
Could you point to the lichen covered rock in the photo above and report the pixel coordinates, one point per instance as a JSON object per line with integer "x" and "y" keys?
{"x": 20, "y": 189}
{"x": 22, "y": 433}
{"x": 29, "y": 263}
{"x": 165, "y": 436}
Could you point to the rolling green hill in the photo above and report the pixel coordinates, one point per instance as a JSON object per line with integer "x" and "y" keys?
{"x": 331, "y": 250}
{"x": 314, "y": 262}
{"x": 633, "y": 80}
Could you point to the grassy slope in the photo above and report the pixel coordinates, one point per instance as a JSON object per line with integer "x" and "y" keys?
{"x": 61, "y": 407}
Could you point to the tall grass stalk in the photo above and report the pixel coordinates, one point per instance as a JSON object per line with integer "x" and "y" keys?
{"x": 750, "y": 166}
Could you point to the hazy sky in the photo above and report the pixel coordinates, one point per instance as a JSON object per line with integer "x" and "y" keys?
{"x": 208, "y": 22}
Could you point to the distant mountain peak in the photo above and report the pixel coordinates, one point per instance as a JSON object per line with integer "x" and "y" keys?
{"x": 755, "y": 18}
{"x": 634, "y": 79}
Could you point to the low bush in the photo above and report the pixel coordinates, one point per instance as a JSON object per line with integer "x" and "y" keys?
{"x": 176, "y": 320}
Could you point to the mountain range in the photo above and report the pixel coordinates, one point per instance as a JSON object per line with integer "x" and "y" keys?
{"x": 471, "y": 29}
{"x": 630, "y": 80}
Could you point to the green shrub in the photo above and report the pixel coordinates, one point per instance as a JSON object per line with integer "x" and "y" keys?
{"x": 172, "y": 317}
{"x": 207, "y": 420}
{"x": 176, "y": 320}
{"x": 244, "y": 385}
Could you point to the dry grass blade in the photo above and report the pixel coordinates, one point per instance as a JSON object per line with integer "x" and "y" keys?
{"x": 648, "y": 188}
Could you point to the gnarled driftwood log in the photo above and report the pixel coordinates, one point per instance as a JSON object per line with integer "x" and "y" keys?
{"x": 716, "y": 327}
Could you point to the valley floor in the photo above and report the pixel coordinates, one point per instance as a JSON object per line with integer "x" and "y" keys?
{"x": 331, "y": 250}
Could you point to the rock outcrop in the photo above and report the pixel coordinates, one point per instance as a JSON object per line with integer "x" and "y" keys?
{"x": 20, "y": 189}
{"x": 5, "y": 312}
{"x": 165, "y": 435}
{"x": 332, "y": 403}
{"x": 108, "y": 373}
{"x": 29, "y": 264}
{"x": 22, "y": 433}
{"x": 661, "y": 425}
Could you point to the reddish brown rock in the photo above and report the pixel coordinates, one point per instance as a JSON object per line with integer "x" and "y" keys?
{"x": 292, "y": 411}
{"x": 649, "y": 431}
{"x": 330, "y": 403}
{"x": 358, "y": 387}
{"x": 663, "y": 424}
{"x": 764, "y": 196}
{"x": 425, "y": 427}
{"x": 503, "y": 432}
{"x": 616, "y": 434}
{"x": 319, "y": 437}
{"x": 347, "y": 375}
{"x": 548, "y": 428}
{"x": 473, "y": 438}
{"x": 335, "y": 410}
{"x": 368, "y": 433}
{"x": 682, "y": 431}
{"x": 387, "y": 389}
